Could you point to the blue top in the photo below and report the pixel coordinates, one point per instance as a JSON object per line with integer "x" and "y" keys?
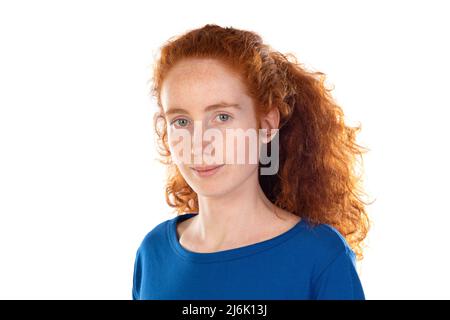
{"x": 305, "y": 262}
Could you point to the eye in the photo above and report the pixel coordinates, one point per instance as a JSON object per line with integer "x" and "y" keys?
{"x": 180, "y": 122}
{"x": 223, "y": 117}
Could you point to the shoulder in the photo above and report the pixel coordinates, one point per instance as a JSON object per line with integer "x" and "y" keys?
{"x": 325, "y": 243}
{"x": 326, "y": 237}
{"x": 156, "y": 237}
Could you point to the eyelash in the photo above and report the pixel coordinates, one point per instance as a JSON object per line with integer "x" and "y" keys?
{"x": 220, "y": 114}
{"x": 224, "y": 114}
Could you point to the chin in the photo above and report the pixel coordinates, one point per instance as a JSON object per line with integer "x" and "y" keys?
{"x": 219, "y": 183}
{"x": 207, "y": 183}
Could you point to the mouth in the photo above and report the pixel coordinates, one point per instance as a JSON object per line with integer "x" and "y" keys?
{"x": 205, "y": 171}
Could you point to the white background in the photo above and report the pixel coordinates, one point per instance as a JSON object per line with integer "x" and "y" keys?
{"x": 79, "y": 186}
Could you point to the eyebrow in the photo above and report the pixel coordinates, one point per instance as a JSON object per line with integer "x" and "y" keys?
{"x": 207, "y": 109}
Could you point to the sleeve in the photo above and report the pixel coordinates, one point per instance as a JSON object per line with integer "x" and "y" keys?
{"x": 339, "y": 279}
{"x": 136, "y": 277}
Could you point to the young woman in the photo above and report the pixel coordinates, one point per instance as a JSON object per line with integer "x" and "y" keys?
{"x": 294, "y": 233}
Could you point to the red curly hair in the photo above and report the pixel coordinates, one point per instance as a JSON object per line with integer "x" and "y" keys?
{"x": 317, "y": 178}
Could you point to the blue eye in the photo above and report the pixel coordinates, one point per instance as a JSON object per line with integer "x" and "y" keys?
{"x": 223, "y": 117}
{"x": 181, "y": 122}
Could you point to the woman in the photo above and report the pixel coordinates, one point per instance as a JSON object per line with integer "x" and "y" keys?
{"x": 295, "y": 231}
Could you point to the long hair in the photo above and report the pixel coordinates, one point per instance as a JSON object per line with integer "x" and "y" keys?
{"x": 317, "y": 177}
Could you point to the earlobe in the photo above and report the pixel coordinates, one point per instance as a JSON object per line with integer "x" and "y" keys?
{"x": 269, "y": 135}
{"x": 270, "y": 122}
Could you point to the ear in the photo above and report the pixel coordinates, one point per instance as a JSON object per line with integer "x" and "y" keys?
{"x": 270, "y": 121}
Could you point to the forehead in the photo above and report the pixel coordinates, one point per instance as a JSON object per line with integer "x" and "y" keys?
{"x": 195, "y": 83}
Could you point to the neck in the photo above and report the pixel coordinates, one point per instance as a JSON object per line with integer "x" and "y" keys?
{"x": 224, "y": 219}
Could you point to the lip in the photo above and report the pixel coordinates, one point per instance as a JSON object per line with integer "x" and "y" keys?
{"x": 206, "y": 171}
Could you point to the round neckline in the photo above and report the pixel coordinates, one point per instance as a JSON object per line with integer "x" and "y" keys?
{"x": 228, "y": 254}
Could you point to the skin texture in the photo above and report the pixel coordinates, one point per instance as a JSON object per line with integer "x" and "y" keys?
{"x": 233, "y": 209}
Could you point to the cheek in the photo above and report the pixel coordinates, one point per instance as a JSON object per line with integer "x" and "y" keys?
{"x": 179, "y": 145}
{"x": 242, "y": 148}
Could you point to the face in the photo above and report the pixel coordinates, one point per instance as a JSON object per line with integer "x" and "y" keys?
{"x": 205, "y": 103}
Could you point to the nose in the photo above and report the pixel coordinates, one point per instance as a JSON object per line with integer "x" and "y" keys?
{"x": 203, "y": 142}
{"x": 197, "y": 139}
{"x": 198, "y": 142}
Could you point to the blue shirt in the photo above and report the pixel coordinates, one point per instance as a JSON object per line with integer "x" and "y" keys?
{"x": 305, "y": 262}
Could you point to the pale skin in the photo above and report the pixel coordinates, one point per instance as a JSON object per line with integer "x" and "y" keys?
{"x": 233, "y": 209}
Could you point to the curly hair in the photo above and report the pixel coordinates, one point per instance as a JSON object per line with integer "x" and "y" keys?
{"x": 317, "y": 176}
